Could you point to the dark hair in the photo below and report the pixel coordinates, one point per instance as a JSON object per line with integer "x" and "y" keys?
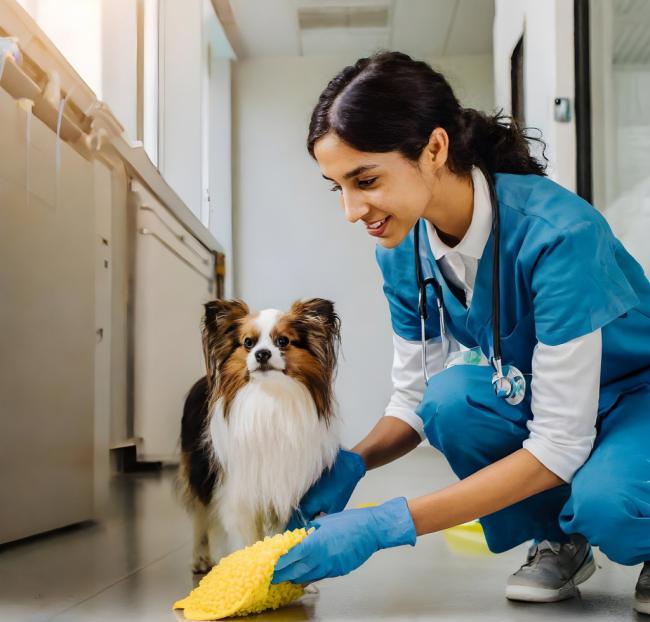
{"x": 390, "y": 102}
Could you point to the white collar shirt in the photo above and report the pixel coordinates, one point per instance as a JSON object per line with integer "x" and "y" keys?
{"x": 459, "y": 263}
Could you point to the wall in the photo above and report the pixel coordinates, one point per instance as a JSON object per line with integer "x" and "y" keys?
{"x": 118, "y": 59}
{"x": 291, "y": 239}
{"x": 194, "y": 146}
{"x": 220, "y": 162}
{"x": 180, "y": 99}
{"x": 81, "y": 47}
{"x": 548, "y": 73}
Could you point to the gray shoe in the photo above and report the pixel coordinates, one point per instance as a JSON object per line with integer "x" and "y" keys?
{"x": 552, "y": 571}
{"x": 642, "y": 593}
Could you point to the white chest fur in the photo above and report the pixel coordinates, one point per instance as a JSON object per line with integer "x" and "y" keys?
{"x": 271, "y": 449}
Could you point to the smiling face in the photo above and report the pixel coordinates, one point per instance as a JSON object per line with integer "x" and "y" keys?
{"x": 384, "y": 190}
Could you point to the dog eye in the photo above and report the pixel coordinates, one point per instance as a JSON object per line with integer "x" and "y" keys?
{"x": 282, "y": 342}
{"x": 248, "y": 343}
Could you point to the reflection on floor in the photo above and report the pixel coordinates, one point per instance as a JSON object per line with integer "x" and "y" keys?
{"x": 133, "y": 565}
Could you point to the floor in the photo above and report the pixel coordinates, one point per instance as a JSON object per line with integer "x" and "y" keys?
{"x": 133, "y": 565}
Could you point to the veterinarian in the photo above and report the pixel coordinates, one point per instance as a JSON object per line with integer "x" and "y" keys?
{"x": 521, "y": 335}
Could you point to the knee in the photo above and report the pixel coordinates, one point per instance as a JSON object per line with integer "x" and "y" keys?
{"x": 443, "y": 404}
{"x": 603, "y": 515}
{"x": 465, "y": 420}
{"x": 453, "y": 422}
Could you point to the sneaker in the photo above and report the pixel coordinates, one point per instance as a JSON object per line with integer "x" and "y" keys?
{"x": 642, "y": 592}
{"x": 552, "y": 571}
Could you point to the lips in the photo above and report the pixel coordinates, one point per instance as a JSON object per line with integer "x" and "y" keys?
{"x": 377, "y": 227}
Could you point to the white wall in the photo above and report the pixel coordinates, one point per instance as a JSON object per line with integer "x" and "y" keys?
{"x": 119, "y": 62}
{"x": 548, "y": 73}
{"x": 81, "y": 46}
{"x": 195, "y": 115}
{"x": 291, "y": 238}
{"x": 220, "y": 160}
{"x": 179, "y": 149}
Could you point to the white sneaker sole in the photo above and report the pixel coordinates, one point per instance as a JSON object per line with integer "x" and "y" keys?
{"x": 642, "y": 606}
{"x": 532, "y": 594}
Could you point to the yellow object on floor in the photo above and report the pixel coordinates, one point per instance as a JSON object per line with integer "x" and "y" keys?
{"x": 240, "y": 584}
{"x": 467, "y": 538}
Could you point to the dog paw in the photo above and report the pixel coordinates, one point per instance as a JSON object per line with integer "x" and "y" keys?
{"x": 202, "y": 564}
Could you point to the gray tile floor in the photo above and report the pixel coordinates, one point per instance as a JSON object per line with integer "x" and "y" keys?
{"x": 133, "y": 565}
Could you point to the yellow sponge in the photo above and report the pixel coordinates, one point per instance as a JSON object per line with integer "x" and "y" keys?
{"x": 240, "y": 584}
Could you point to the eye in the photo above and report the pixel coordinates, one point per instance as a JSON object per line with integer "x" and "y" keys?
{"x": 282, "y": 342}
{"x": 362, "y": 183}
{"x": 248, "y": 343}
{"x": 366, "y": 183}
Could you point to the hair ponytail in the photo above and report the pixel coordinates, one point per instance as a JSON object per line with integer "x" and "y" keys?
{"x": 390, "y": 102}
{"x": 496, "y": 142}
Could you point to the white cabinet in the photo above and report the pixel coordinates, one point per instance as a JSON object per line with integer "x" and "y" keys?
{"x": 173, "y": 276}
{"x": 47, "y": 338}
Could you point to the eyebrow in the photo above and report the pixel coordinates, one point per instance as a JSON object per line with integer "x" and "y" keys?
{"x": 355, "y": 172}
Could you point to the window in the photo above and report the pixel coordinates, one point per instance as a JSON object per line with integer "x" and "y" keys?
{"x": 82, "y": 47}
{"x": 613, "y": 88}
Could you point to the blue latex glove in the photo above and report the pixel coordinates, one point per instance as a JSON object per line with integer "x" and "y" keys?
{"x": 345, "y": 540}
{"x": 332, "y": 491}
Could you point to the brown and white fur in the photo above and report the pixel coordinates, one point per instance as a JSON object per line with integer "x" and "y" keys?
{"x": 259, "y": 429}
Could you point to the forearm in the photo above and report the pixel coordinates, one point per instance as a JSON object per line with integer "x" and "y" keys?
{"x": 499, "y": 485}
{"x": 391, "y": 438}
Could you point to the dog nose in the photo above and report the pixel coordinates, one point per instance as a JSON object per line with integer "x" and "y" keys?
{"x": 262, "y": 356}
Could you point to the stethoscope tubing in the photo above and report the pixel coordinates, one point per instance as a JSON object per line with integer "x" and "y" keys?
{"x": 510, "y": 385}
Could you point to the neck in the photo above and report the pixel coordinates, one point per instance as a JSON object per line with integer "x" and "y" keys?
{"x": 451, "y": 208}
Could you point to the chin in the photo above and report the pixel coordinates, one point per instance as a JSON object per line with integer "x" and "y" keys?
{"x": 389, "y": 242}
{"x": 392, "y": 240}
{"x": 260, "y": 427}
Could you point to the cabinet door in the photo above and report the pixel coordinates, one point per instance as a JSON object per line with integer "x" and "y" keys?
{"x": 47, "y": 343}
{"x": 174, "y": 276}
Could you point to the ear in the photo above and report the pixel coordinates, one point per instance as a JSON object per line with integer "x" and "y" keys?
{"x": 317, "y": 308}
{"x": 219, "y": 311}
{"x": 219, "y": 315}
{"x": 437, "y": 149}
{"x": 321, "y": 311}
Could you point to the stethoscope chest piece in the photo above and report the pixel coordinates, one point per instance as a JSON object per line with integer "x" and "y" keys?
{"x": 511, "y": 387}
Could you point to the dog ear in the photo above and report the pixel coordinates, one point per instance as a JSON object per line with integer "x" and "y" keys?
{"x": 219, "y": 315}
{"x": 321, "y": 312}
{"x": 318, "y": 308}
{"x": 216, "y": 311}
{"x": 318, "y": 323}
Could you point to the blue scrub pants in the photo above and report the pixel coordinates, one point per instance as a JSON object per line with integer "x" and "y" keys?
{"x": 608, "y": 500}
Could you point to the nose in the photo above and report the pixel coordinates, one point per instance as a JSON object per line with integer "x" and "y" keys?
{"x": 354, "y": 209}
{"x": 262, "y": 356}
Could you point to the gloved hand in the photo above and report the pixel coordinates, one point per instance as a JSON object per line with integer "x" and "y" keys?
{"x": 345, "y": 540}
{"x": 332, "y": 491}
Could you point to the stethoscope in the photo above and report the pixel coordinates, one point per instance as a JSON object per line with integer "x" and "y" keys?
{"x": 510, "y": 386}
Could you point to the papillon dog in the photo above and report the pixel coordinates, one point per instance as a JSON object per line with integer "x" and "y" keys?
{"x": 260, "y": 428}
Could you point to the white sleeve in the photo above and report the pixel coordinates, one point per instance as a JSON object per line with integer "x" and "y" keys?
{"x": 565, "y": 392}
{"x": 408, "y": 379}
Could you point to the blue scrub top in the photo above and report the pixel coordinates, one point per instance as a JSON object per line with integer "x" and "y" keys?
{"x": 563, "y": 275}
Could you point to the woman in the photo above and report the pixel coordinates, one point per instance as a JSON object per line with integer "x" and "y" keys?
{"x": 565, "y": 462}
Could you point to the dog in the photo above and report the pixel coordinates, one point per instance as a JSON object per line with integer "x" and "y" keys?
{"x": 261, "y": 426}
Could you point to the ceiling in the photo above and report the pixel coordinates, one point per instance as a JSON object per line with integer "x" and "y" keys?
{"x": 421, "y": 28}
